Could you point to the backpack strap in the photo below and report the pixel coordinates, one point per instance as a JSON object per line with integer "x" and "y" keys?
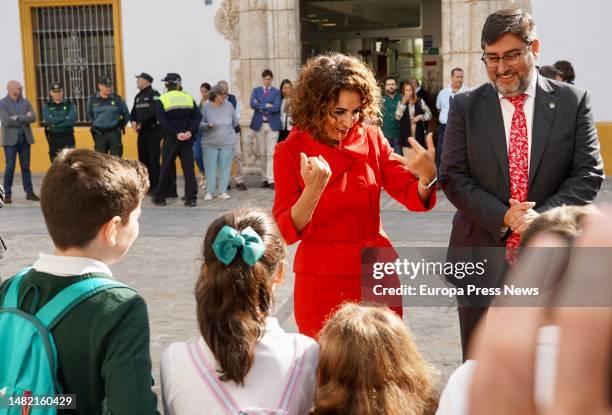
{"x": 54, "y": 310}
{"x": 11, "y": 296}
{"x": 295, "y": 375}
{"x": 206, "y": 372}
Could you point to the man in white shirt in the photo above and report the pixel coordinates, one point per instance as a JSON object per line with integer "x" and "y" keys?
{"x": 442, "y": 104}
{"x": 514, "y": 147}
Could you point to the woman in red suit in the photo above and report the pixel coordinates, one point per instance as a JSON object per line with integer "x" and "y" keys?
{"x": 329, "y": 174}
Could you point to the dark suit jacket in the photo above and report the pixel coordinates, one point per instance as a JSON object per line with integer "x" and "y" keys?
{"x": 258, "y": 103}
{"x": 566, "y": 167}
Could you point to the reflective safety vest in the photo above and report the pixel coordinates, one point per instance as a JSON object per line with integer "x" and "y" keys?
{"x": 174, "y": 100}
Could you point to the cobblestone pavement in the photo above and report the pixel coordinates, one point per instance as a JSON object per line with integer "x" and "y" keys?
{"x": 164, "y": 261}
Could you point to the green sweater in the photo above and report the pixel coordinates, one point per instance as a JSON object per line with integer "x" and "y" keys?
{"x": 102, "y": 346}
{"x": 391, "y": 126}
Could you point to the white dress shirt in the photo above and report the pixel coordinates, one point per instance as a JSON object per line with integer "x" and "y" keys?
{"x": 528, "y": 107}
{"x": 67, "y": 266}
{"x": 185, "y": 392}
{"x": 455, "y": 397}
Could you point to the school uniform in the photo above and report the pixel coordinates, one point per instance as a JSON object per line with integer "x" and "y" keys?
{"x": 102, "y": 343}
{"x": 283, "y": 376}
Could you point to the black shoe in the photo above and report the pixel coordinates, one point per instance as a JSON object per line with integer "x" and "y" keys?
{"x": 173, "y": 196}
{"x": 183, "y": 198}
{"x": 271, "y": 186}
{"x": 190, "y": 203}
{"x": 265, "y": 184}
{"x": 32, "y": 197}
{"x": 241, "y": 186}
{"x": 159, "y": 202}
{"x": 7, "y": 199}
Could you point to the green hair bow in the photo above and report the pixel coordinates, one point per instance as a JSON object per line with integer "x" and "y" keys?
{"x": 228, "y": 241}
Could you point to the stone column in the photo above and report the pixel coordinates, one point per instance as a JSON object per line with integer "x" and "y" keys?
{"x": 462, "y": 22}
{"x": 264, "y": 34}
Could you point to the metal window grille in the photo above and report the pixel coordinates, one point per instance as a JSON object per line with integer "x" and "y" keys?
{"x": 73, "y": 45}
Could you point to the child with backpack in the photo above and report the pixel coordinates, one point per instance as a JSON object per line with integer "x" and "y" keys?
{"x": 369, "y": 365}
{"x": 67, "y": 326}
{"x": 243, "y": 362}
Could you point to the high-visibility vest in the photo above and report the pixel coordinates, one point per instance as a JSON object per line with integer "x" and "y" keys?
{"x": 174, "y": 100}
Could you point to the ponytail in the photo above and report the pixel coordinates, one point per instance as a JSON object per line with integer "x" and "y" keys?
{"x": 234, "y": 300}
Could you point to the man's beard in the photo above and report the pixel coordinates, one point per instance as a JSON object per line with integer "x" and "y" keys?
{"x": 390, "y": 92}
{"x": 519, "y": 87}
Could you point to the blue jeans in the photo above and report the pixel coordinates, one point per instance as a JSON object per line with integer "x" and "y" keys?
{"x": 394, "y": 142}
{"x": 197, "y": 151}
{"x": 221, "y": 157}
{"x": 10, "y": 155}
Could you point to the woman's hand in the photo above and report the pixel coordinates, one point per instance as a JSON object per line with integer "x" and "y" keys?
{"x": 315, "y": 172}
{"x": 421, "y": 161}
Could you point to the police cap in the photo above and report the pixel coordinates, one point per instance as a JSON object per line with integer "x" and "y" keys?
{"x": 172, "y": 78}
{"x": 105, "y": 80}
{"x": 146, "y": 76}
{"x": 56, "y": 86}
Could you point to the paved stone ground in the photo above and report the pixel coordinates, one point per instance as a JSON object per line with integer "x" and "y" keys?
{"x": 163, "y": 263}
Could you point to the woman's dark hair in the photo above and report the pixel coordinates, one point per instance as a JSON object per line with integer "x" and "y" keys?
{"x": 234, "y": 300}
{"x": 549, "y": 72}
{"x": 285, "y": 81}
{"x": 567, "y": 71}
{"x": 205, "y": 85}
{"x": 318, "y": 88}
{"x": 515, "y": 21}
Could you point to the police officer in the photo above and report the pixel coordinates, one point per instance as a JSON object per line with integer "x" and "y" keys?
{"x": 145, "y": 124}
{"x": 59, "y": 116}
{"x": 179, "y": 118}
{"x": 109, "y": 115}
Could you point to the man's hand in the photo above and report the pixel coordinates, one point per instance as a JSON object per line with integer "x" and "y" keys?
{"x": 15, "y": 117}
{"x": 517, "y": 210}
{"x": 315, "y": 172}
{"x": 420, "y": 161}
{"x": 182, "y": 137}
{"x": 135, "y": 126}
{"x": 269, "y": 105}
{"x": 523, "y": 222}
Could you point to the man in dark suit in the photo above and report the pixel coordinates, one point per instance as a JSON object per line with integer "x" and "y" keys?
{"x": 513, "y": 148}
{"x": 266, "y": 102}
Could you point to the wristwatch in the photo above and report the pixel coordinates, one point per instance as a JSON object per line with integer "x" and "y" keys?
{"x": 428, "y": 186}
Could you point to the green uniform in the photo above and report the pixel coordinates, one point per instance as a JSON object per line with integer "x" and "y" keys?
{"x": 102, "y": 345}
{"x": 59, "y": 122}
{"x": 391, "y": 126}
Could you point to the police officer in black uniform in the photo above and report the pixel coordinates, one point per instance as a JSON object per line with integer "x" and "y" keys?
{"x": 179, "y": 117}
{"x": 59, "y": 116}
{"x": 145, "y": 124}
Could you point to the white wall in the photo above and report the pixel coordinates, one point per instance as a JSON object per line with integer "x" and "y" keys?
{"x": 10, "y": 32}
{"x": 161, "y": 36}
{"x": 580, "y": 32}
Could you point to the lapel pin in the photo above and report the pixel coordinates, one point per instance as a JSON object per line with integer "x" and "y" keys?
{"x": 551, "y": 105}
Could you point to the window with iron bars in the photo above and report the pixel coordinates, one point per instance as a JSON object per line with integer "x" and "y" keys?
{"x": 73, "y": 45}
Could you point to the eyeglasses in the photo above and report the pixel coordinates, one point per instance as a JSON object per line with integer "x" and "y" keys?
{"x": 510, "y": 59}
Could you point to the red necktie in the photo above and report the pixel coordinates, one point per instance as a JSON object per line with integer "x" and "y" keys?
{"x": 518, "y": 160}
{"x": 266, "y": 92}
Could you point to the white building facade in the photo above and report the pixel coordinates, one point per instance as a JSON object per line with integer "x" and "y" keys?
{"x": 74, "y": 41}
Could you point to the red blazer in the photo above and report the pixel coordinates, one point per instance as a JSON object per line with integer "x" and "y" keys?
{"x": 347, "y": 217}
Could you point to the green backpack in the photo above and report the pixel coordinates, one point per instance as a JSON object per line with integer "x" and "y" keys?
{"x": 28, "y": 356}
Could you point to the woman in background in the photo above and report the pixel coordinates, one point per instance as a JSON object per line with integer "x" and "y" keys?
{"x": 413, "y": 114}
{"x": 286, "y": 89}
